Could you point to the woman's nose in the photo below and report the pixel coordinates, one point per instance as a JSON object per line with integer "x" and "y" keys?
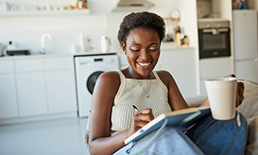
{"x": 144, "y": 54}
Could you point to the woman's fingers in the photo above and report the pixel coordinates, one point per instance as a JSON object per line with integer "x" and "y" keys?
{"x": 145, "y": 111}
{"x": 145, "y": 115}
{"x": 141, "y": 118}
{"x": 240, "y": 93}
{"x": 231, "y": 75}
{"x": 140, "y": 124}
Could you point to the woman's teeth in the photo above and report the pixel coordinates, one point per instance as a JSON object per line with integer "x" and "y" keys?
{"x": 144, "y": 64}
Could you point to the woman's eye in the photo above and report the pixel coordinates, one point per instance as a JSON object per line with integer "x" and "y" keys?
{"x": 135, "y": 49}
{"x": 153, "y": 49}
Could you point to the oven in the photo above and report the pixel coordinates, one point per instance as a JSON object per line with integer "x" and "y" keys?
{"x": 214, "y": 38}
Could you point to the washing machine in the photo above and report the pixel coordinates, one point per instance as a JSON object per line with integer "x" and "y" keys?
{"x": 87, "y": 70}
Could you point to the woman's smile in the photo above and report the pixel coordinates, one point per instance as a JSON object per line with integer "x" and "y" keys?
{"x": 142, "y": 49}
{"x": 143, "y": 64}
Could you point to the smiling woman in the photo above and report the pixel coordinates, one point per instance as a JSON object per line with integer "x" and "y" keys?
{"x": 142, "y": 55}
{"x": 113, "y": 119}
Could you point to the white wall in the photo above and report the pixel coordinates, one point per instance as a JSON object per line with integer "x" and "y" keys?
{"x": 25, "y": 31}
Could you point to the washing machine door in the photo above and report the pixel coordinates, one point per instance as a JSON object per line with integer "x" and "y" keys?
{"x": 92, "y": 79}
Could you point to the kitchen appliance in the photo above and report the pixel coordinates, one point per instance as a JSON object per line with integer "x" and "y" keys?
{"x": 169, "y": 30}
{"x": 105, "y": 43}
{"x": 16, "y": 52}
{"x": 13, "y": 50}
{"x": 245, "y": 44}
{"x": 214, "y": 38}
{"x": 88, "y": 69}
{"x": 132, "y": 5}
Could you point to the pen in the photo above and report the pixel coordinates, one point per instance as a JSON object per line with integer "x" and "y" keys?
{"x": 135, "y": 108}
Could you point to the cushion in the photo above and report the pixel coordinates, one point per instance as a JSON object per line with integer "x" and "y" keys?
{"x": 252, "y": 140}
{"x": 249, "y": 106}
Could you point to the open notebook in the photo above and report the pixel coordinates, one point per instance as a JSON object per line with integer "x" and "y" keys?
{"x": 181, "y": 119}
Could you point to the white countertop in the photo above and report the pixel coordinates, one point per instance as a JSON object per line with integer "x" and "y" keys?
{"x": 164, "y": 47}
{"x": 212, "y": 19}
{"x": 172, "y": 46}
{"x": 35, "y": 56}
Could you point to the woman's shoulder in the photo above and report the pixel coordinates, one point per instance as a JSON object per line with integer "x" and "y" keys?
{"x": 110, "y": 77}
{"x": 110, "y": 74}
{"x": 107, "y": 82}
{"x": 165, "y": 76}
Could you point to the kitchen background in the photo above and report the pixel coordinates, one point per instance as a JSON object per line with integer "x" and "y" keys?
{"x": 25, "y": 30}
{"x": 20, "y": 103}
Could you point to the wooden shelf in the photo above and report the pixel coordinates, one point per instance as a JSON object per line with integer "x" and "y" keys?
{"x": 36, "y": 13}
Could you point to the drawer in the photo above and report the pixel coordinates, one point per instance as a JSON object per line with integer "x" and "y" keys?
{"x": 217, "y": 67}
{"x": 6, "y": 66}
{"x": 29, "y": 65}
{"x": 59, "y": 63}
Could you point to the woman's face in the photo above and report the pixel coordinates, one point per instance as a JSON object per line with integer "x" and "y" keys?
{"x": 142, "y": 50}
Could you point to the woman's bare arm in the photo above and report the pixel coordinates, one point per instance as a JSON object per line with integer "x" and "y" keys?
{"x": 100, "y": 141}
{"x": 175, "y": 97}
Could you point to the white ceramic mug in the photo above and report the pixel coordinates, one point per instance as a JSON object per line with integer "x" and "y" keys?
{"x": 222, "y": 97}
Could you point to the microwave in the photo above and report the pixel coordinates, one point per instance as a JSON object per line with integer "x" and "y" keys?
{"x": 214, "y": 38}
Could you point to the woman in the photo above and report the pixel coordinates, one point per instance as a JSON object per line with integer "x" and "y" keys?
{"x": 113, "y": 119}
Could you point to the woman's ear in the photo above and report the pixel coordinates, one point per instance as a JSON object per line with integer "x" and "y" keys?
{"x": 123, "y": 47}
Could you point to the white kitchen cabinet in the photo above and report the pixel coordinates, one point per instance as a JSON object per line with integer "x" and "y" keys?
{"x": 61, "y": 91}
{"x": 214, "y": 68}
{"x": 31, "y": 93}
{"x": 8, "y": 96}
{"x": 6, "y": 66}
{"x": 58, "y": 63}
{"x": 29, "y": 65}
{"x": 247, "y": 70}
{"x": 60, "y": 85}
{"x": 30, "y": 78}
{"x": 182, "y": 65}
{"x": 37, "y": 87}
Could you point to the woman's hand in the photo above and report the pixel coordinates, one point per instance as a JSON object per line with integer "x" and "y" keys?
{"x": 240, "y": 91}
{"x": 140, "y": 119}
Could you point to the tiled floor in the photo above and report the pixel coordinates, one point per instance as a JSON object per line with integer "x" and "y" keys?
{"x": 55, "y": 137}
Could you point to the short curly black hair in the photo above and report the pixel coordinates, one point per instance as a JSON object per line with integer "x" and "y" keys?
{"x": 144, "y": 20}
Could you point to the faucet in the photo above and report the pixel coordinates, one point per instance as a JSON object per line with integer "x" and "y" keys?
{"x": 43, "y": 50}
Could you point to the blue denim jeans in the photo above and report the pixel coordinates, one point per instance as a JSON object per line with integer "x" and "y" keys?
{"x": 208, "y": 136}
{"x": 220, "y": 137}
